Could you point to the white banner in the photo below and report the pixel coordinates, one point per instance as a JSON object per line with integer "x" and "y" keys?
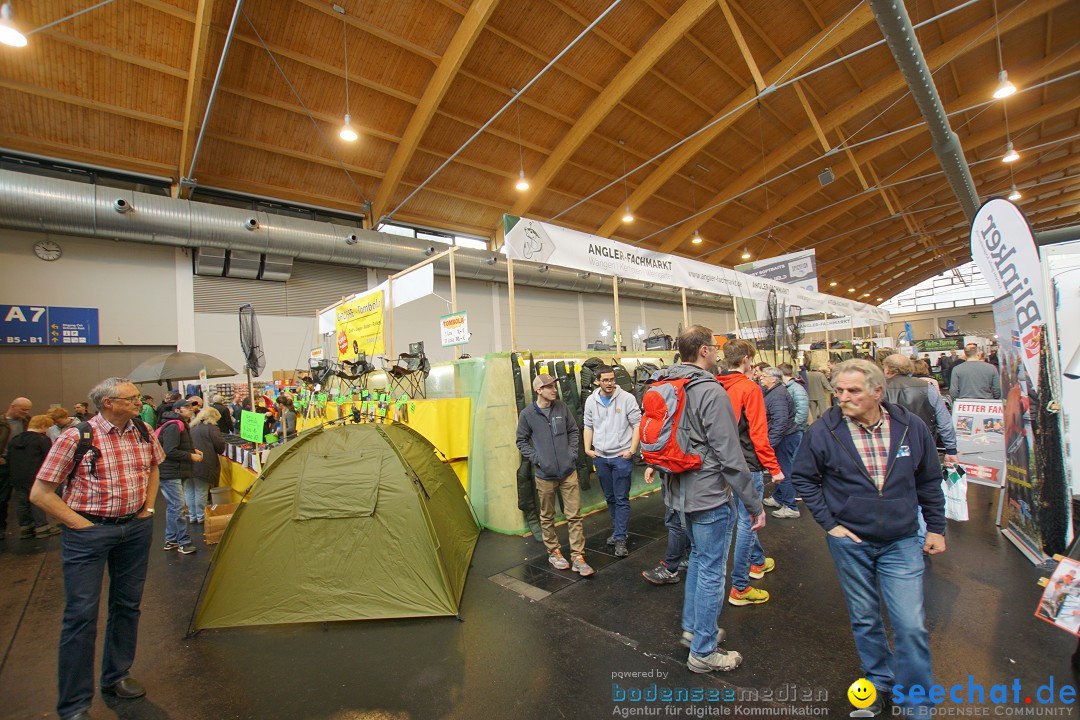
{"x": 980, "y": 440}
{"x": 798, "y": 269}
{"x": 1005, "y": 251}
{"x": 543, "y": 243}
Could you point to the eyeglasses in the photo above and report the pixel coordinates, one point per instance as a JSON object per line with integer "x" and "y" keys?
{"x": 607, "y": 380}
{"x": 131, "y": 399}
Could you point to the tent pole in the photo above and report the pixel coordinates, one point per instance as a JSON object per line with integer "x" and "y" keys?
{"x": 453, "y": 295}
{"x": 513, "y": 315}
{"x": 685, "y": 315}
{"x": 618, "y": 334}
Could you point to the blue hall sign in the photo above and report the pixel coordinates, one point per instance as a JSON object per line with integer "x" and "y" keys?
{"x": 41, "y": 325}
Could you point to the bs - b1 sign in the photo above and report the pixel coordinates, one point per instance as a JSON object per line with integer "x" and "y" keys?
{"x": 41, "y": 325}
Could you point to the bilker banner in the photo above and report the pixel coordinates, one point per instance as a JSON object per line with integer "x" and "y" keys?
{"x": 1004, "y": 249}
{"x": 562, "y": 247}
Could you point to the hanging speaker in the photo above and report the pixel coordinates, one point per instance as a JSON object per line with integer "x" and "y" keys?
{"x": 826, "y": 176}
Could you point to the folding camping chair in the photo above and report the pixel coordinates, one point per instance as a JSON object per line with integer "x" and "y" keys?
{"x": 408, "y": 374}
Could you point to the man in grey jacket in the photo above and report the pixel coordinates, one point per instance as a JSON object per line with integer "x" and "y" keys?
{"x": 703, "y": 497}
{"x": 975, "y": 378}
{"x": 547, "y": 435}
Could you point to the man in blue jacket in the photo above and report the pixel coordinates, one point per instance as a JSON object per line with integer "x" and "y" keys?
{"x": 863, "y": 470}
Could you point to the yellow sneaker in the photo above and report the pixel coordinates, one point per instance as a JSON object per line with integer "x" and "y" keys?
{"x": 749, "y": 596}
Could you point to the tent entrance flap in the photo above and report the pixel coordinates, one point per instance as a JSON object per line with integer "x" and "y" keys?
{"x": 339, "y": 486}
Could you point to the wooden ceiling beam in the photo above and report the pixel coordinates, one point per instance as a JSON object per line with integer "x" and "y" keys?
{"x": 83, "y": 102}
{"x": 801, "y": 58}
{"x": 168, "y": 9}
{"x": 93, "y": 156}
{"x": 329, "y": 118}
{"x": 277, "y": 149}
{"x": 112, "y": 53}
{"x": 260, "y": 189}
{"x": 960, "y": 45}
{"x": 353, "y": 21}
{"x": 825, "y": 146}
{"x": 465, "y": 37}
{"x": 654, "y": 48}
{"x": 337, "y": 72}
{"x": 200, "y": 46}
{"x": 919, "y": 166}
{"x": 748, "y": 57}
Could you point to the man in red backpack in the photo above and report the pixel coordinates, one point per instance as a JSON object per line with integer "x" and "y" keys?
{"x": 703, "y": 496}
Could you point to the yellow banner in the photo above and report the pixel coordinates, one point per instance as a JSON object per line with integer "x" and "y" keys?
{"x": 359, "y": 327}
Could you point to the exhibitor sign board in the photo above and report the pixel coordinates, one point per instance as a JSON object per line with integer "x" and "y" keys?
{"x": 539, "y": 242}
{"x": 799, "y": 269}
{"x": 980, "y": 440}
{"x": 42, "y": 325}
{"x": 930, "y": 345}
{"x": 454, "y": 329}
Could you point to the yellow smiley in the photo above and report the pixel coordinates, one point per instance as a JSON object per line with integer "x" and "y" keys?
{"x": 861, "y": 693}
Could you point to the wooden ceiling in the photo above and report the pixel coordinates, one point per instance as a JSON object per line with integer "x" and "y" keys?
{"x": 126, "y": 86}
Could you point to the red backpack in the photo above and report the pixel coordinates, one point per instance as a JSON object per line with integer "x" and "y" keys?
{"x": 665, "y": 441}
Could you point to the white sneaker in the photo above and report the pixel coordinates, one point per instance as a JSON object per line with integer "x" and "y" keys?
{"x": 722, "y": 660}
{"x": 688, "y": 637}
{"x": 786, "y": 512}
{"x": 771, "y": 502}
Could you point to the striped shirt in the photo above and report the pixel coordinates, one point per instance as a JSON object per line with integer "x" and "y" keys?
{"x": 116, "y": 484}
{"x": 872, "y": 442}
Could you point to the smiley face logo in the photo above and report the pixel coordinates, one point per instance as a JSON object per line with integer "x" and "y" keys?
{"x": 862, "y": 693}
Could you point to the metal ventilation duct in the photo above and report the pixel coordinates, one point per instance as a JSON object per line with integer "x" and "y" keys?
{"x": 243, "y": 264}
{"x": 892, "y": 18}
{"x": 44, "y": 204}
{"x": 277, "y": 268}
{"x": 209, "y": 261}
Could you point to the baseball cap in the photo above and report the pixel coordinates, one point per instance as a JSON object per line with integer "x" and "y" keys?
{"x": 179, "y": 404}
{"x": 541, "y": 380}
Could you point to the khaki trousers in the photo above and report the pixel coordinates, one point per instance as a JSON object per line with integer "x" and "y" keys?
{"x": 571, "y": 498}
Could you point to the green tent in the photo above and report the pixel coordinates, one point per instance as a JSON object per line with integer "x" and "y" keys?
{"x": 345, "y": 523}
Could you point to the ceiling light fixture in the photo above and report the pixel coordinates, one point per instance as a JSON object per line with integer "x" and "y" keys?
{"x": 696, "y": 240}
{"x": 347, "y": 133}
{"x": 1015, "y": 194}
{"x": 9, "y": 34}
{"x": 522, "y": 184}
{"x": 1010, "y": 153}
{"x": 851, "y": 290}
{"x": 745, "y": 254}
{"x": 881, "y": 299}
{"x": 628, "y": 217}
{"x": 833, "y": 284}
{"x": 1004, "y": 88}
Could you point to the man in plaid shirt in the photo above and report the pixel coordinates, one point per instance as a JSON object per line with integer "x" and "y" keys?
{"x": 863, "y": 470}
{"x": 107, "y": 511}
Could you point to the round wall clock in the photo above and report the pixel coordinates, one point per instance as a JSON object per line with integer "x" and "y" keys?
{"x": 47, "y": 250}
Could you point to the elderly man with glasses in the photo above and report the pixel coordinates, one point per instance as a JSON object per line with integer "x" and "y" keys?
{"x": 107, "y": 511}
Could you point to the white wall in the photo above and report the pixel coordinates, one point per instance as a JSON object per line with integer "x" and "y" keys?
{"x": 133, "y": 286}
{"x": 287, "y": 341}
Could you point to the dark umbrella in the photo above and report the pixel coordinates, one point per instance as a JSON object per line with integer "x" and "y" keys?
{"x": 179, "y": 366}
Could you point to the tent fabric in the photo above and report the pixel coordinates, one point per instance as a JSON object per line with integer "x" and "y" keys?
{"x": 349, "y": 522}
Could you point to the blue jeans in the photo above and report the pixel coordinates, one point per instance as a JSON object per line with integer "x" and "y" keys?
{"x": 710, "y": 533}
{"x": 614, "y": 474}
{"x": 195, "y": 491}
{"x": 897, "y": 567}
{"x": 785, "y": 455}
{"x": 84, "y": 555}
{"x": 677, "y": 542}
{"x": 748, "y": 549}
{"x": 175, "y": 527}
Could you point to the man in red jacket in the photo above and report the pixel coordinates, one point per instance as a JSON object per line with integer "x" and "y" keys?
{"x": 749, "y": 406}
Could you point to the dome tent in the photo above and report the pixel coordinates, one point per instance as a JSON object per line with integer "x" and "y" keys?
{"x": 349, "y": 522}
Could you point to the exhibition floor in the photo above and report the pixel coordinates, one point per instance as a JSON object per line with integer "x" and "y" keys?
{"x": 557, "y": 656}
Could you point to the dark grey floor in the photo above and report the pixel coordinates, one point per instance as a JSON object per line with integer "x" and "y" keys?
{"x": 558, "y": 657}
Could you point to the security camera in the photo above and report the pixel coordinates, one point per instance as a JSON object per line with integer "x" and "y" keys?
{"x": 121, "y": 205}
{"x": 251, "y": 224}
{"x": 492, "y": 260}
{"x": 429, "y": 250}
{"x": 351, "y": 239}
